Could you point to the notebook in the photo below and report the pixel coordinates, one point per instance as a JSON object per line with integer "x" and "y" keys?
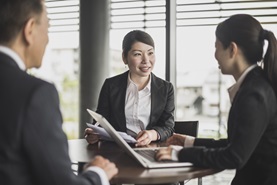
{"x": 105, "y": 136}
{"x": 146, "y": 161}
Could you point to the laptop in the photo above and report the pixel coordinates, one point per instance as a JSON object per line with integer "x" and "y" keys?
{"x": 147, "y": 161}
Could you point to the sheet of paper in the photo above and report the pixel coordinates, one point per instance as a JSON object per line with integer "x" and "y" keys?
{"x": 105, "y": 136}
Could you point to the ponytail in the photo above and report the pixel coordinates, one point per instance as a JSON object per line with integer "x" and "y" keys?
{"x": 270, "y": 59}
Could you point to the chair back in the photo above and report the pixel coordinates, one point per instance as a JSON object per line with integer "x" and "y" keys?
{"x": 186, "y": 127}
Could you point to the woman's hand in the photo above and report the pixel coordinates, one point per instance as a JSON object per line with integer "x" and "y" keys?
{"x": 145, "y": 137}
{"x": 90, "y": 136}
{"x": 176, "y": 139}
{"x": 164, "y": 154}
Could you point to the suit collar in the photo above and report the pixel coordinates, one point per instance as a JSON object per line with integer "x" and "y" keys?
{"x": 156, "y": 96}
{"x": 155, "y": 82}
{"x": 14, "y": 56}
{"x": 234, "y": 88}
{"x": 122, "y": 83}
{"x": 254, "y": 71}
{"x": 130, "y": 81}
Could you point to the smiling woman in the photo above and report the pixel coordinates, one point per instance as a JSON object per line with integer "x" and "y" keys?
{"x": 136, "y": 101}
{"x": 62, "y": 60}
{"x": 194, "y": 36}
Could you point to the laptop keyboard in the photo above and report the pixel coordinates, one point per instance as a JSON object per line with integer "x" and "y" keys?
{"x": 148, "y": 154}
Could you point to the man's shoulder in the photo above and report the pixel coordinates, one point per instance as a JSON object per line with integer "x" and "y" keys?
{"x": 25, "y": 82}
{"x": 34, "y": 80}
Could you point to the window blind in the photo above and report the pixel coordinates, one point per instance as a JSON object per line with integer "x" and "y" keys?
{"x": 63, "y": 15}
{"x": 211, "y": 12}
{"x": 137, "y": 14}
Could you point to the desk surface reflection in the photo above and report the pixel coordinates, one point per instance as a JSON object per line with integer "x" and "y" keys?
{"x": 130, "y": 171}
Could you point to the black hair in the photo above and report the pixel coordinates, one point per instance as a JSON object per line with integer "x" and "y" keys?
{"x": 13, "y": 16}
{"x": 249, "y": 35}
{"x": 136, "y": 36}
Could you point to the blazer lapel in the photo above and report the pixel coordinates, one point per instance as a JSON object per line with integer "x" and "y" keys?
{"x": 122, "y": 83}
{"x": 155, "y": 98}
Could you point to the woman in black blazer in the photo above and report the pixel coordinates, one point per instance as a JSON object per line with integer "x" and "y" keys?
{"x": 251, "y": 146}
{"x": 136, "y": 101}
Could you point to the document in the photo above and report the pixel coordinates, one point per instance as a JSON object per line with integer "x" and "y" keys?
{"x": 105, "y": 136}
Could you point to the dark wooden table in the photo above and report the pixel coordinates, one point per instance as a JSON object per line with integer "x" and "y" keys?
{"x": 130, "y": 172}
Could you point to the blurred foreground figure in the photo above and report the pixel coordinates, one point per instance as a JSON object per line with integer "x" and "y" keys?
{"x": 33, "y": 146}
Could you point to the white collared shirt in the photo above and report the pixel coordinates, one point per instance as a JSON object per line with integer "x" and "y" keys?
{"x": 137, "y": 107}
{"x": 14, "y": 56}
{"x": 234, "y": 88}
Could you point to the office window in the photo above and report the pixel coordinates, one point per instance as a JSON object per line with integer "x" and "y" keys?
{"x": 142, "y": 15}
{"x": 61, "y": 61}
{"x": 201, "y": 89}
{"x": 196, "y": 21}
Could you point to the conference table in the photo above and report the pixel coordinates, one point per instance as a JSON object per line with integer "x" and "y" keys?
{"x": 130, "y": 171}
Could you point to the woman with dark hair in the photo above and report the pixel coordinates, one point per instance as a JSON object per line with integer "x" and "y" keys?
{"x": 137, "y": 102}
{"x": 251, "y": 146}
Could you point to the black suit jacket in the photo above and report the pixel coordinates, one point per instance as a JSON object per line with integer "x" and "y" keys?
{"x": 251, "y": 147}
{"x": 33, "y": 146}
{"x": 111, "y": 104}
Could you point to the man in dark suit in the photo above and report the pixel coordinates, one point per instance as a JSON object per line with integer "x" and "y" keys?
{"x": 33, "y": 146}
